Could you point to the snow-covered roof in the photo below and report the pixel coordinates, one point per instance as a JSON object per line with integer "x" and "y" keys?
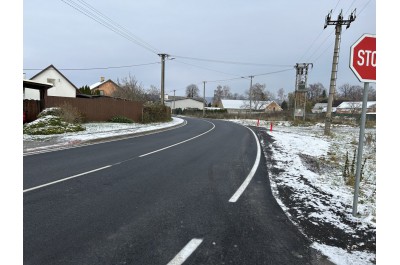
{"x": 243, "y": 104}
{"x": 320, "y": 105}
{"x": 355, "y": 104}
{"x": 96, "y": 84}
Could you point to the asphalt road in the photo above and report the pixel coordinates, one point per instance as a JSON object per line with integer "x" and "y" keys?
{"x": 158, "y": 199}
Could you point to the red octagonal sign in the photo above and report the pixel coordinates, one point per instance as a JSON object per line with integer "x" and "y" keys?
{"x": 363, "y": 58}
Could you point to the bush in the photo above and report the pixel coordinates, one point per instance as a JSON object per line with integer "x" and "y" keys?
{"x": 70, "y": 114}
{"x": 120, "y": 119}
{"x": 51, "y": 121}
{"x": 156, "y": 113}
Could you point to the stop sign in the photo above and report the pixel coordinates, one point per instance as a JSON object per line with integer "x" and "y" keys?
{"x": 363, "y": 58}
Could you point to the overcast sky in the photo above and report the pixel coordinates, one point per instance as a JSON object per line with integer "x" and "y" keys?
{"x": 250, "y": 37}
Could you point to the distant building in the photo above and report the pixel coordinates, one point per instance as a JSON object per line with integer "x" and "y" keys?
{"x": 105, "y": 88}
{"x": 60, "y": 85}
{"x": 355, "y": 107}
{"x": 183, "y": 102}
{"x": 242, "y": 106}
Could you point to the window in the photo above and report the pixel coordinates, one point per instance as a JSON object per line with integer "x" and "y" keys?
{"x": 51, "y": 81}
{"x": 101, "y": 92}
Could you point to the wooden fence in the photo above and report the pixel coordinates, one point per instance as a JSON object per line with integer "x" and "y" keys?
{"x": 100, "y": 108}
{"x": 31, "y": 109}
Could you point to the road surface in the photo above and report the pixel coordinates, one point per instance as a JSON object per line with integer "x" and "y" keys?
{"x": 198, "y": 194}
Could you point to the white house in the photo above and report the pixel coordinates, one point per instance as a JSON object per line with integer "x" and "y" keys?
{"x": 353, "y": 107}
{"x": 238, "y": 106}
{"x": 61, "y": 86}
{"x": 184, "y": 103}
{"x": 319, "y": 107}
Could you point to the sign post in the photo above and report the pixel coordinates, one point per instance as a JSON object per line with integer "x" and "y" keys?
{"x": 363, "y": 64}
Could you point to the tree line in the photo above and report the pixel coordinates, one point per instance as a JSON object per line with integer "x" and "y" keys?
{"x": 130, "y": 88}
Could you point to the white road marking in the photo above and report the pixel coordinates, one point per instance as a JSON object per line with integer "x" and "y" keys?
{"x": 64, "y": 179}
{"x": 186, "y": 252}
{"x": 250, "y": 176}
{"x": 156, "y": 151}
{"x": 42, "y": 150}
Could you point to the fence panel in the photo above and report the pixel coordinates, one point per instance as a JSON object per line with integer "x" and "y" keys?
{"x": 31, "y": 109}
{"x": 100, "y": 108}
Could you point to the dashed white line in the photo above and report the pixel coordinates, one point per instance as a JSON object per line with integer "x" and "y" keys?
{"x": 185, "y": 253}
{"x": 64, "y": 179}
{"x": 250, "y": 176}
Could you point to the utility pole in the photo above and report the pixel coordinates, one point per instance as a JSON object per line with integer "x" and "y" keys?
{"x": 174, "y": 99}
{"x": 338, "y": 31}
{"x": 204, "y": 99}
{"x": 251, "y": 85}
{"x": 163, "y": 56}
{"x": 300, "y": 93}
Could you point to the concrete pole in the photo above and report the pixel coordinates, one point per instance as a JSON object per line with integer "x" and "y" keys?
{"x": 360, "y": 148}
{"x": 162, "y": 75}
{"x": 251, "y": 85}
{"x": 174, "y": 100}
{"x": 204, "y": 99}
{"x": 332, "y": 87}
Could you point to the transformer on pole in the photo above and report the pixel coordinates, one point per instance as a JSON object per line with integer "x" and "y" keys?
{"x": 300, "y": 93}
{"x": 332, "y": 87}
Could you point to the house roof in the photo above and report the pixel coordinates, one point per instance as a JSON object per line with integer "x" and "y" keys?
{"x": 320, "y": 105}
{"x": 96, "y": 85}
{"x": 243, "y": 104}
{"x": 177, "y": 98}
{"x": 36, "y": 85}
{"x": 355, "y": 104}
{"x": 52, "y": 66}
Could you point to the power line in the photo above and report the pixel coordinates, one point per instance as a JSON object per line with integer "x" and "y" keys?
{"x": 276, "y": 72}
{"x": 228, "y": 62}
{"x": 213, "y": 70}
{"x": 112, "y": 26}
{"x": 118, "y": 25}
{"x": 93, "y": 68}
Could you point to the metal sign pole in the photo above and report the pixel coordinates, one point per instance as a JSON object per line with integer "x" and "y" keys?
{"x": 360, "y": 147}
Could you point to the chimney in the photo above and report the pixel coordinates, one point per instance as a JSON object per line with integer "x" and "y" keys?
{"x": 101, "y": 78}
{"x": 24, "y": 75}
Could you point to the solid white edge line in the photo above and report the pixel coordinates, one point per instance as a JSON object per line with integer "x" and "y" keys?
{"x": 145, "y": 133}
{"x": 250, "y": 176}
{"x": 185, "y": 253}
{"x": 187, "y": 140}
{"x": 64, "y": 179}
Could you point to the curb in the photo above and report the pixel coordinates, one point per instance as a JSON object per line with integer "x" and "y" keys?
{"x": 99, "y": 140}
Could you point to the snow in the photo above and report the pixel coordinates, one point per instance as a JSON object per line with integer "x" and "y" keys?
{"x": 294, "y": 151}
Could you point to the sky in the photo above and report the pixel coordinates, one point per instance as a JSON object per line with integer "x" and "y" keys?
{"x": 327, "y": 196}
{"x": 206, "y": 40}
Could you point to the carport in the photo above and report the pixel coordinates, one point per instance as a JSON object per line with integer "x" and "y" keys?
{"x": 33, "y": 107}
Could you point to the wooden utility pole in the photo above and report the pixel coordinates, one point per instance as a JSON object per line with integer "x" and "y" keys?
{"x": 338, "y": 31}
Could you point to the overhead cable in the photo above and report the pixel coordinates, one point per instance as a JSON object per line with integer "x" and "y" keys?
{"x": 108, "y": 23}
{"x": 94, "y": 68}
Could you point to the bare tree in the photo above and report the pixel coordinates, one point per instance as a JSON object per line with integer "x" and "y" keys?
{"x": 315, "y": 91}
{"x": 129, "y": 88}
{"x": 258, "y": 95}
{"x": 192, "y": 91}
{"x": 344, "y": 91}
{"x": 281, "y": 95}
{"x": 153, "y": 94}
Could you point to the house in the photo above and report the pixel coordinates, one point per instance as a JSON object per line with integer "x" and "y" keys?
{"x": 241, "y": 106}
{"x": 183, "y": 102}
{"x": 355, "y": 107}
{"x": 105, "y": 88}
{"x": 61, "y": 86}
{"x": 319, "y": 107}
